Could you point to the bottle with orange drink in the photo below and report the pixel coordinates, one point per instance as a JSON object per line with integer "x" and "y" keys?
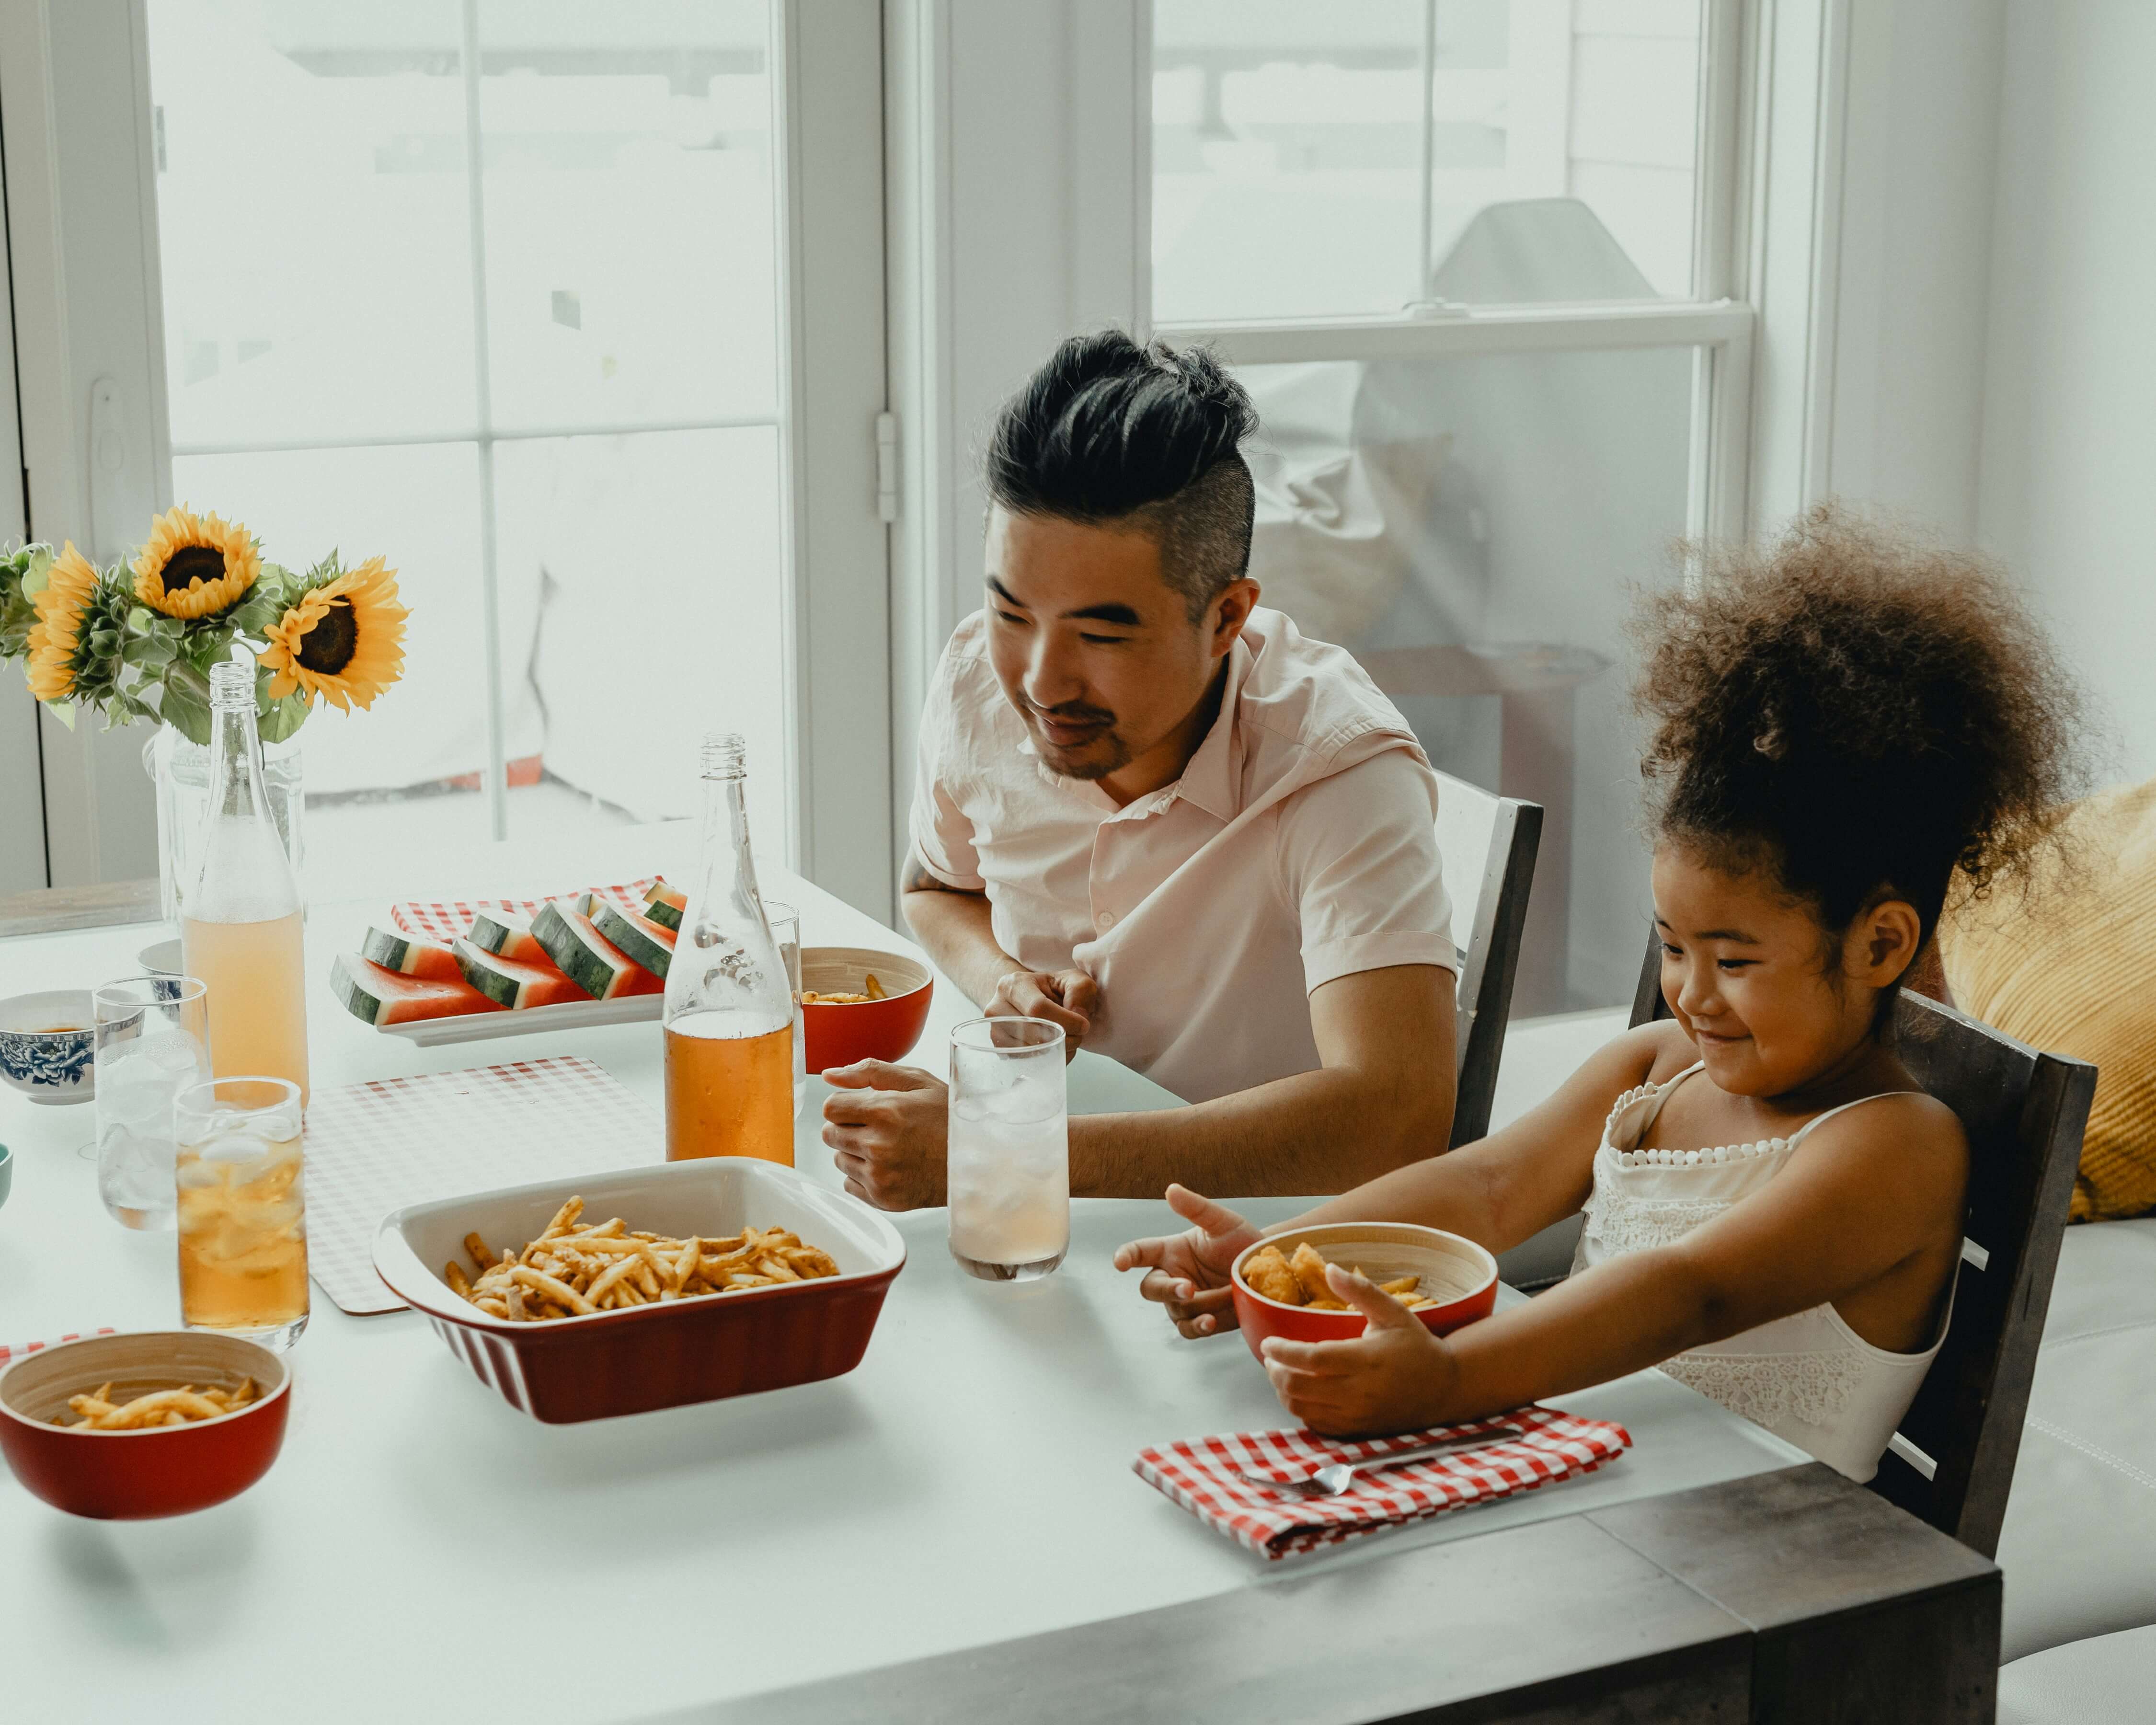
{"x": 730, "y": 1010}
{"x": 240, "y": 918}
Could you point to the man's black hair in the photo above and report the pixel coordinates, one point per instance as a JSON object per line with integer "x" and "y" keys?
{"x": 1108, "y": 432}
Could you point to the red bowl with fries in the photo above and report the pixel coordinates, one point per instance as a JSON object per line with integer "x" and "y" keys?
{"x": 670, "y": 1352}
{"x": 837, "y": 1033}
{"x": 150, "y": 1471}
{"x": 1457, "y": 1275}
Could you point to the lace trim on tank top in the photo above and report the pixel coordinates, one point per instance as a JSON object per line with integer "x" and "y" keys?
{"x": 1624, "y": 1224}
{"x": 1718, "y": 1156}
{"x": 1770, "y": 1389}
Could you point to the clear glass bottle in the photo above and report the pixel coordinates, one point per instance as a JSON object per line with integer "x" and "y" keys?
{"x": 241, "y": 929}
{"x": 729, "y": 1007}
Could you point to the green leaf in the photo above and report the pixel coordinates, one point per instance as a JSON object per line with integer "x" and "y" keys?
{"x": 146, "y": 650}
{"x": 64, "y": 711}
{"x": 186, "y": 712}
{"x": 41, "y": 560}
{"x": 281, "y": 719}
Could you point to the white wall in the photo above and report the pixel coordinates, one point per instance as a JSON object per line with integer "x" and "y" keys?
{"x": 2069, "y": 444}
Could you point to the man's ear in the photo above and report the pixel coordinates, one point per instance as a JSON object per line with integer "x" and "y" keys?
{"x": 1230, "y": 611}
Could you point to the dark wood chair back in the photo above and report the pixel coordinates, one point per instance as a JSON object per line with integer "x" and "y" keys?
{"x": 1952, "y": 1462}
{"x": 1489, "y": 844}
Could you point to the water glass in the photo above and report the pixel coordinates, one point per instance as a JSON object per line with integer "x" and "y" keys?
{"x": 1009, "y": 1166}
{"x": 152, "y": 1038}
{"x": 243, "y": 1219}
{"x": 786, "y": 931}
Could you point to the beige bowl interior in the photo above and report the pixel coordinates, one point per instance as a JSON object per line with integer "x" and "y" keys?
{"x": 1451, "y": 1268}
{"x": 38, "y": 1386}
{"x": 844, "y": 970}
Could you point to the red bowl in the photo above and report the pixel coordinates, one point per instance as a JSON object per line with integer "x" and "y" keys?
{"x": 837, "y": 1034}
{"x": 1382, "y": 1250}
{"x": 565, "y": 1369}
{"x": 165, "y": 1469}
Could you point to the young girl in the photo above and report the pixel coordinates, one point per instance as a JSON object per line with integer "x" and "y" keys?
{"x": 1773, "y": 1210}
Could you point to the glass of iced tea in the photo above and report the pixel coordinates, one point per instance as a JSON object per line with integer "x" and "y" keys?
{"x": 242, "y": 1222}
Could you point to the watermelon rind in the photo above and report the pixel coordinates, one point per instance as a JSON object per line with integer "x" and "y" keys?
{"x": 497, "y": 929}
{"x": 492, "y": 975}
{"x": 407, "y": 954}
{"x": 573, "y": 956}
{"x": 636, "y": 942}
{"x": 663, "y": 904}
{"x": 346, "y": 984}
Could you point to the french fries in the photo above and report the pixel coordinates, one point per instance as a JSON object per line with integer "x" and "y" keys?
{"x": 160, "y": 1407}
{"x": 570, "y": 1271}
{"x": 875, "y": 992}
{"x": 1300, "y": 1280}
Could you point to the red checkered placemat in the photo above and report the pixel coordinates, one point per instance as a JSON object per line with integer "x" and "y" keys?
{"x": 1201, "y": 1474}
{"x": 11, "y": 1351}
{"x": 453, "y": 921}
{"x": 371, "y": 1148}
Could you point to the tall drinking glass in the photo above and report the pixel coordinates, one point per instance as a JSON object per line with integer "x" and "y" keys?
{"x": 785, "y": 929}
{"x": 242, "y": 1218}
{"x": 1009, "y": 1156}
{"x": 152, "y": 1038}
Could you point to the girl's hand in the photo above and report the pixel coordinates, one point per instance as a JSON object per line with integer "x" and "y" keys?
{"x": 1188, "y": 1273}
{"x": 1395, "y": 1376}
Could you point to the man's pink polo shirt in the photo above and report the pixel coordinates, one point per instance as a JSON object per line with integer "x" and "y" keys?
{"x": 1299, "y": 846}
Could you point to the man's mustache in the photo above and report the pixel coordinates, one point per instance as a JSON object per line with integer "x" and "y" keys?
{"x": 1073, "y": 714}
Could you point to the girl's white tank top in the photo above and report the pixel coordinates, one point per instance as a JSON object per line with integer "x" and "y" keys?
{"x": 1808, "y": 1377}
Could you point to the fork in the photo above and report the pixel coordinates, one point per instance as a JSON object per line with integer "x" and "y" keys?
{"x": 1336, "y": 1478}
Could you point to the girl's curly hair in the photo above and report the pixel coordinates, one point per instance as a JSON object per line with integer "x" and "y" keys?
{"x": 1862, "y": 713}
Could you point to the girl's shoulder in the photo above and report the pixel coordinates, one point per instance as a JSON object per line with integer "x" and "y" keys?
{"x": 1654, "y": 1052}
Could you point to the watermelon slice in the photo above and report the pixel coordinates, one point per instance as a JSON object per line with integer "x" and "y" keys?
{"x": 409, "y": 955}
{"x": 586, "y": 957}
{"x": 664, "y": 905}
{"x": 377, "y": 996}
{"x": 507, "y": 933}
{"x": 649, "y": 943}
{"x": 513, "y": 983}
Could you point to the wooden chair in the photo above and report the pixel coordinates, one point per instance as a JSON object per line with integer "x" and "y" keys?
{"x": 1490, "y": 842}
{"x": 1952, "y": 1462}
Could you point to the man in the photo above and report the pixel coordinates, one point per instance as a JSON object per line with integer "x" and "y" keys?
{"x": 1154, "y": 814}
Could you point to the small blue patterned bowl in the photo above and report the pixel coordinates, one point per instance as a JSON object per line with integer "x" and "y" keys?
{"x": 46, "y": 1045}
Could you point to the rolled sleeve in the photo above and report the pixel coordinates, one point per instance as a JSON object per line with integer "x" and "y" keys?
{"x": 941, "y": 833}
{"x": 1358, "y": 860}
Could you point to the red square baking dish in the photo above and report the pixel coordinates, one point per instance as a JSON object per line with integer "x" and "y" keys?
{"x": 565, "y": 1369}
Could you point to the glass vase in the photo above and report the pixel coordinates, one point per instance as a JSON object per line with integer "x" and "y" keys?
{"x": 179, "y": 770}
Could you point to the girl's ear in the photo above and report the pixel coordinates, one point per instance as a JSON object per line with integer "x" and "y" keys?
{"x": 1883, "y": 942}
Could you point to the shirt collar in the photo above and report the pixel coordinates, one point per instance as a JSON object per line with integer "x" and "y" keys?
{"x": 1211, "y": 779}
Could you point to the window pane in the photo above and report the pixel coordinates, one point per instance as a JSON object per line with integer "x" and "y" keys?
{"x": 1289, "y": 140}
{"x": 631, "y": 275}
{"x": 630, "y": 674}
{"x": 318, "y": 224}
{"x": 1475, "y": 530}
{"x": 312, "y": 221}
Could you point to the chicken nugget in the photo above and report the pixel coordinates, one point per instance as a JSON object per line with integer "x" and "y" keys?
{"x": 1310, "y": 1270}
{"x": 1266, "y": 1272}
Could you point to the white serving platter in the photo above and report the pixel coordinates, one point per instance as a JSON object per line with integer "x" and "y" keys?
{"x": 569, "y": 1015}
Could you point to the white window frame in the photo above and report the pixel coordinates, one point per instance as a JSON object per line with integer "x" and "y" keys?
{"x": 81, "y": 202}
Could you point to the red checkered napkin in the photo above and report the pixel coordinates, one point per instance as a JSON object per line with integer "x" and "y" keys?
{"x": 12, "y": 1351}
{"x": 452, "y": 922}
{"x": 1201, "y": 1474}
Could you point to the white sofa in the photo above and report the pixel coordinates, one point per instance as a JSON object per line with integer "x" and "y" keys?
{"x": 2079, "y": 1545}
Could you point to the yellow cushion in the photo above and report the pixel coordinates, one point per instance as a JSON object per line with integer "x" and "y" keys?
{"x": 2068, "y": 970}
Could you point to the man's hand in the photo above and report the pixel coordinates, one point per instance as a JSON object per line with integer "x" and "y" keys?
{"x": 889, "y": 1126}
{"x": 1395, "y": 1376}
{"x": 1188, "y": 1273}
{"x": 1068, "y": 998}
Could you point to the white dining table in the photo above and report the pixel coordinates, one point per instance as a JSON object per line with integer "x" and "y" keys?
{"x": 420, "y": 1549}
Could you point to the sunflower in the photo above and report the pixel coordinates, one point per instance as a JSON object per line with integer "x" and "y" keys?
{"x": 343, "y": 640}
{"x": 63, "y": 610}
{"x": 194, "y": 565}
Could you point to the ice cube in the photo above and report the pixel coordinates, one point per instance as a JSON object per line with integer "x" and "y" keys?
{"x": 172, "y": 1051}
{"x": 135, "y": 1091}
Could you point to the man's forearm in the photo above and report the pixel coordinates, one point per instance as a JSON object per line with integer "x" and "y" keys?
{"x": 1319, "y": 1131}
{"x": 954, "y": 929}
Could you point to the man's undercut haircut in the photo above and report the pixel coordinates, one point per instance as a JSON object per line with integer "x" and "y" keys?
{"x": 1109, "y": 433}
